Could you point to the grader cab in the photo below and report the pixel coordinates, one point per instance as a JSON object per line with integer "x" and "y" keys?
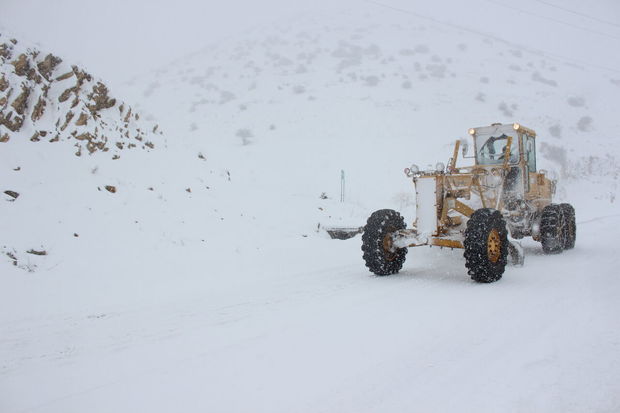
{"x": 481, "y": 208}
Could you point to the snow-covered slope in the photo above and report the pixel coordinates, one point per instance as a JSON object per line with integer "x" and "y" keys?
{"x": 203, "y": 281}
{"x": 376, "y": 93}
{"x": 45, "y": 99}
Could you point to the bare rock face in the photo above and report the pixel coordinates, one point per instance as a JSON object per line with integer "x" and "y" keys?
{"x": 5, "y": 51}
{"x": 20, "y": 104}
{"x": 4, "y": 84}
{"x": 47, "y": 66}
{"x": 82, "y": 120}
{"x": 99, "y": 99}
{"x": 22, "y": 65}
{"x": 40, "y": 92}
{"x": 38, "y": 110}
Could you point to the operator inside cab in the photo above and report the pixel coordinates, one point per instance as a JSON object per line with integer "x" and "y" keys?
{"x": 493, "y": 149}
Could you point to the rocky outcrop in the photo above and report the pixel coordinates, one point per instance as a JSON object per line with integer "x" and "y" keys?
{"x": 43, "y": 99}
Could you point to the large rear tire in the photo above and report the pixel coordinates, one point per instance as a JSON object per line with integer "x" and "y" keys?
{"x": 486, "y": 245}
{"x": 570, "y": 227}
{"x": 376, "y": 242}
{"x": 552, "y": 229}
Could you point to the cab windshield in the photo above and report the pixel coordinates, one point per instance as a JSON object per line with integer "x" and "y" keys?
{"x": 490, "y": 149}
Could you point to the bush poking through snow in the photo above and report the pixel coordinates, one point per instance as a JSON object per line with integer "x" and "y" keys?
{"x": 245, "y": 135}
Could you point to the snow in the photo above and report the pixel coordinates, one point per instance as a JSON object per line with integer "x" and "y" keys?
{"x": 204, "y": 284}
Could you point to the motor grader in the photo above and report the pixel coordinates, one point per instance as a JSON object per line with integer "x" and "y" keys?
{"x": 481, "y": 208}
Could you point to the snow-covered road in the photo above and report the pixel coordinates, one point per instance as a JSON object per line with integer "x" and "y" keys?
{"x": 309, "y": 333}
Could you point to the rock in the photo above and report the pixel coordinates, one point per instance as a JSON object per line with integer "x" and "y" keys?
{"x": 5, "y": 51}
{"x": 68, "y": 118}
{"x": 47, "y": 65}
{"x": 99, "y": 97}
{"x": 21, "y": 102}
{"x": 21, "y": 65}
{"x": 4, "y": 84}
{"x": 111, "y": 188}
{"x": 82, "y": 120}
{"x": 64, "y": 77}
{"x": 12, "y": 194}
{"x": 4, "y": 138}
{"x": 85, "y": 137}
{"x": 38, "y": 110}
{"x": 93, "y": 146}
{"x": 67, "y": 93}
{"x": 12, "y": 257}
{"x": 81, "y": 75}
{"x": 12, "y": 123}
{"x": 35, "y": 252}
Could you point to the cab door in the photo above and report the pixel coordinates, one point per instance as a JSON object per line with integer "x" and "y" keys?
{"x": 529, "y": 156}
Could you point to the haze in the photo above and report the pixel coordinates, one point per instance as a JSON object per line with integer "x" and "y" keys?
{"x": 124, "y": 39}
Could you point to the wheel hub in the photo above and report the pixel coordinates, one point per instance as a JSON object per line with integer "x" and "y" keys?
{"x": 494, "y": 245}
{"x": 388, "y": 248}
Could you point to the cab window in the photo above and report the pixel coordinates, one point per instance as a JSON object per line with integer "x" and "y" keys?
{"x": 530, "y": 152}
{"x": 491, "y": 149}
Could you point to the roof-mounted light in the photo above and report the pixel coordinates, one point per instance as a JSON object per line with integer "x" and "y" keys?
{"x": 472, "y": 131}
{"x": 516, "y": 126}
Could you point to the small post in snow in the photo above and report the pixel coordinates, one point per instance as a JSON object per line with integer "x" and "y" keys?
{"x": 342, "y": 185}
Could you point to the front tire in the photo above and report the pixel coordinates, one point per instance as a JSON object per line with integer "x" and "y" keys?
{"x": 570, "y": 226}
{"x": 553, "y": 229}
{"x": 486, "y": 245}
{"x": 376, "y": 242}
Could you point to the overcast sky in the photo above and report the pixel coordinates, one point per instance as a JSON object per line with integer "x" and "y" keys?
{"x": 117, "y": 39}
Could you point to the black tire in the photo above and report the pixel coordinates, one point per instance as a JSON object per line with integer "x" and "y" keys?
{"x": 486, "y": 245}
{"x": 552, "y": 229}
{"x": 379, "y": 225}
{"x": 570, "y": 226}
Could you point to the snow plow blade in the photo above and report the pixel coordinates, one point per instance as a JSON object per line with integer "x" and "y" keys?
{"x": 343, "y": 232}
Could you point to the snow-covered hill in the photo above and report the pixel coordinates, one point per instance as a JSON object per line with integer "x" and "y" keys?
{"x": 200, "y": 279}
{"x": 45, "y": 99}
{"x": 374, "y": 94}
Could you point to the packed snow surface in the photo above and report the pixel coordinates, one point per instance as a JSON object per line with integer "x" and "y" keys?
{"x": 205, "y": 283}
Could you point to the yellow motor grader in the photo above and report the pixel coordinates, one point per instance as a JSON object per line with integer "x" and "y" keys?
{"x": 481, "y": 208}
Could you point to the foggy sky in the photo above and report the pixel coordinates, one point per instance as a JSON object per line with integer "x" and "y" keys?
{"x": 118, "y": 39}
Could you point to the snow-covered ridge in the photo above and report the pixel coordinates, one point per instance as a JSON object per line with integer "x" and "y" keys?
{"x": 411, "y": 77}
{"x": 44, "y": 99}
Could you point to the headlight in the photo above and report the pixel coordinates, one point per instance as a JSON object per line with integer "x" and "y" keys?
{"x": 516, "y": 126}
{"x": 413, "y": 169}
{"x": 472, "y": 131}
{"x": 440, "y": 167}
